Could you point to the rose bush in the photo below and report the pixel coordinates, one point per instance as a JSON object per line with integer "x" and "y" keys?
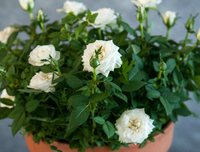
{"x": 87, "y": 83}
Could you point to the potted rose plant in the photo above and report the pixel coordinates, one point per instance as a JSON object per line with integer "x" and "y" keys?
{"x": 93, "y": 81}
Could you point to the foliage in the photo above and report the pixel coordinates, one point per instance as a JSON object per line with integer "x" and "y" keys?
{"x": 156, "y": 74}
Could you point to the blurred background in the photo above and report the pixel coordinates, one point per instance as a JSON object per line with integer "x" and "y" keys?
{"x": 187, "y": 130}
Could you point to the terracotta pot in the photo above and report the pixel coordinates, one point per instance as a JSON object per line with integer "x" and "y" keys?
{"x": 162, "y": 144}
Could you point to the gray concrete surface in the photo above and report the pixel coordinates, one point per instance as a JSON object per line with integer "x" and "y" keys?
{"x": 187, "y": 130}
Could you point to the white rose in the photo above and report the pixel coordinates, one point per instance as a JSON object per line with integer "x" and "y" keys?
{"x": 146, "y": 3}
{"x": 5, "y": 33}
{"x": 72, "y": 6}
{"x": 43, "y": 52}
{"x": 43, "y": 81}
{"x": 4, "y": 94}
{"x": 198, "y": 35}
{"x": 109, "y": 57}
{"x": 27, "y": 4}
{"x": 169, "y": 18}
{"x": 106, "y": 16}
{"x": 134, "y": 126}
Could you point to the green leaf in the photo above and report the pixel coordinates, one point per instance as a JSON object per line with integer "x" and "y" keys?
{"x": 183, "y": 111}
{"x": 133, "y": 86}
{"x": 12, "y": 38}
{"x": 144, "y": 51}
{"x": 122, "y": 96}
{"x": 69, "y": 19}
{"x": 99, "y": 120}
{"x": 80, "y": 28}
{"x": 32, "y": 105}
{"x": 17, "y": 123}
{"x": 170, "y": 97}
{"x": 153, "y": 94}
{"x": 133, "y": 72}
{"x": 55, "y": 41}
{"x": 11, "y": 70}
{"x": 128, "y": 29}
{"x": 133, "y": 49}
{"x": 150, "y": 87}
{"x": 143, "y": 143}
{"x": 78, "y": 116}
{"x": 171, "y": 64}
{"x": 54, "y": 35}
{"x": 91, "y": 17}
{"x": 186, "y": 49}
{"x": 114, "y": 85}
{"x": 4, "y": 112}
{"x": 120, "y": 38}
{"x": 99, "y": 96}
{"x": 17, "y": 110}
{"x": 83, "y": 141}
{"x": 73, "y": 81}
{"x": 138, "y": 62}
{"x": 155, "y": 65}
{"x": 178, "y": 77}
{"x": 6, "y": 101}
{"x": 55, "y": 149}
{"x": 196, "y": 79}
{"x": 47, "y": 69}
{"x": 3, "y": 54}
{"x": 167, "y": 105}
{"x": 78, "y": 100}
{"x": 29, "y": 90}
{"x": 109, "y": 129}
{"x": 59, "y": 79}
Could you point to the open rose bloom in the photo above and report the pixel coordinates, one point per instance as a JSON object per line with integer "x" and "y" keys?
{"x": 146, "y": 3}
{"x": 73, "y": 7}
{"x": 5, "y": 33}
{"x": 134, "y": 126}
{"x": 43, "y": 53}
{"x": 109, "y": 57}
{"x": 106, "y": 16}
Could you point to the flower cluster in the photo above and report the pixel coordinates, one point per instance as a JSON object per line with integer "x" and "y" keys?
{"x": 92, "y": 80}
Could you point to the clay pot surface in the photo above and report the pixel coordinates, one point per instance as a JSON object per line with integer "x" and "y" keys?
{"x": 162, "y": 144}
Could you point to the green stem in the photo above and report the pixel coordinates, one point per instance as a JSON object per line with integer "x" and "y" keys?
{"x": 42, "y": 26}
{"x": 187, "y": 54}
{"x": 186, "y": 38}
{"x": 141, "y": 29}
{"x": 93, "y": 105}
{"x": 31, "y": 15}
{"x": 167, "y": 36}
{"x": 99, "y": 33}
{"x": 147, "y": 22}
{"x": 60, "y": 74}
